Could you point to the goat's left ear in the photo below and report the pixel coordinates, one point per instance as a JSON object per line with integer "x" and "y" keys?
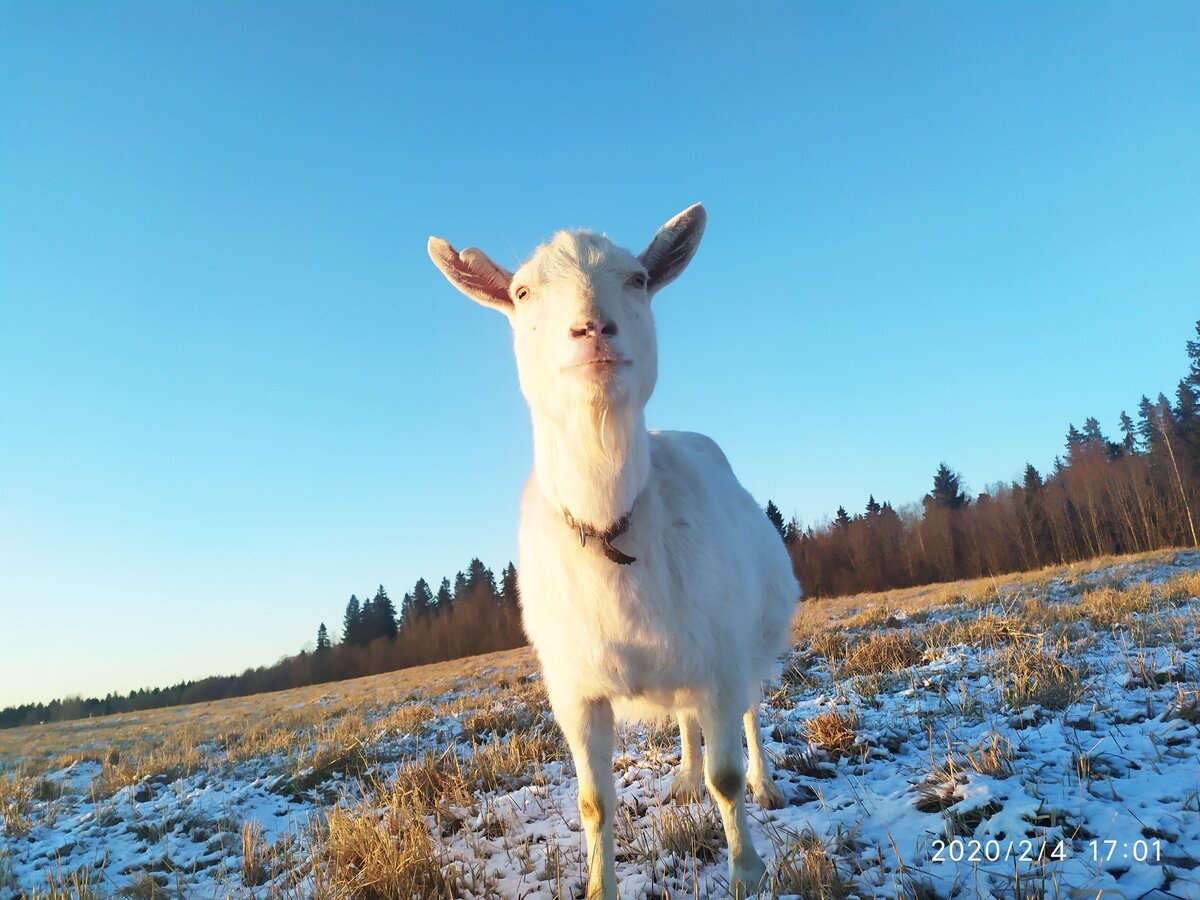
{"x": 673, "y": 247}
{"x": 474, "y": 274}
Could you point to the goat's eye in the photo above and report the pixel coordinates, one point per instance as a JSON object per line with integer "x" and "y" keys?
{"x": 638, "y": 280}
{"x": 521, "y": 293}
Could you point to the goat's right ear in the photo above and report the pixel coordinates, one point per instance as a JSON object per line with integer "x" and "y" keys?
{"x": 673, "y": 247}
{"x": 474, "y": 274}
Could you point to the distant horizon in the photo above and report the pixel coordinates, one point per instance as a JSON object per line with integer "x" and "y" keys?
{"x": 237, "y": 388}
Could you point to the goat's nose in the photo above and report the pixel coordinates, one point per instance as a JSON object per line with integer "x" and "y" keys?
{"x": 592, "y": 327}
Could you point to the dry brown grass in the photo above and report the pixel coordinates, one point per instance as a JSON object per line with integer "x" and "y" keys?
{"x": 829, "y": 644}
{"x": 882, "y": 653}
{"x": 1037, "y": 678}
{"x": 1181, "y": 588}
{"x": 1186, "y": 706}
{"x": 80, "y": 884}
{"x": 409, "y": 718}
{"x": 256, "y": 868}
{"x": 991, "y": 629}
{"x": 690, "y": 831}
{"x": 805, "y": 867}
{"x": 1115, "y": 605}
{"x": 361, "y": 855}
{"x": 245, "y": 727}
{"x": 993, "y": 756}
{"x": 16, "y": 804}
{"x": 833, "y": 731}
{"x": 818, "y": 615}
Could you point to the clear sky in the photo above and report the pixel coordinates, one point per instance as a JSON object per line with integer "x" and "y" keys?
{"x": 234, "y": 390}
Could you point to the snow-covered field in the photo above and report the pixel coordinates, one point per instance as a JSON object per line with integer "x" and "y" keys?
{"x": 1031, "y": 736}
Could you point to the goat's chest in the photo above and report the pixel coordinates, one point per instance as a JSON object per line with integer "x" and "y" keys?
{"x": 622, "y": 629}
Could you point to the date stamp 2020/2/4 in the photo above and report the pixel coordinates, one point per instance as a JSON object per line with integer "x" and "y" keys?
{"x": 957, "y": 850}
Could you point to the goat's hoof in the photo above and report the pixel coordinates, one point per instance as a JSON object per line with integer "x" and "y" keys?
{"x": 748, "y": 878}
{"x": 684, "y": 790}
{"x": 767, "y": 795}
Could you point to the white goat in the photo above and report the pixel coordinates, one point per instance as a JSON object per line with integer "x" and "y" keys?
{"x": 690, "y": 610}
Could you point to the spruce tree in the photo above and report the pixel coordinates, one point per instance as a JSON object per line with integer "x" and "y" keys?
{"x": 947, "y": 490}
{"x": 793, "y": 531}
{"x": 1129, "y": 441}
{"x": 352, "y": 622}
{"x": 1148, "y": 430}
{"x": 1032, "y": 484}
{"x": 384, "y": 614}
{"x": 423, "y": 602}
{"x": 776, "y": 517}
{"x": 322, "y": 638}
{"x": 842, "y": 519}
{"x": 368, "y": 628}
{"x": 1193, "y": 352}
{"x": 1075, "y": 444}
{"x": 508, "y": 584}
{"x": 873, "y": 507}
{"x": 1096, "y": 444}
{"x": 445, "y": 597}
{"x": 1187, "y": 419}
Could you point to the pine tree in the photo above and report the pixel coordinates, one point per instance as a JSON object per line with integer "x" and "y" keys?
{"x": 947, "y": 490}
{"x": 322, "y": 638}
{"x": 352, "y": 622}
{"x": 776, "y": 517}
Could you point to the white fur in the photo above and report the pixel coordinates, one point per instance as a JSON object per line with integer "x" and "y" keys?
{"x": 694, "y": 625}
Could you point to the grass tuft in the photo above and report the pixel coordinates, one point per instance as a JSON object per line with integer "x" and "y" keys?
{"x": 833, "y": 731}
{"x": 883, "y": 653}
{"x": 1037, "y": 678}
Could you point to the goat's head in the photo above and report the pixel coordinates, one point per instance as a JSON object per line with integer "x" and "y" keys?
{"x": 580, "y": 311}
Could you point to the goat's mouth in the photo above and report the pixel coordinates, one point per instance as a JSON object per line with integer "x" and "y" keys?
{"x": 598, "y": 365}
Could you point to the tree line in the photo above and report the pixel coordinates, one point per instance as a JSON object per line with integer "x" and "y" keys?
{"x": 1137, "y": 492}
{"x": 474, "y": 614}
{"x": 1105, "y": 496}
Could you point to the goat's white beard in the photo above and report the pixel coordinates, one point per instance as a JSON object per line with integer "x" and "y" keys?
{"x": 595, "y": 461}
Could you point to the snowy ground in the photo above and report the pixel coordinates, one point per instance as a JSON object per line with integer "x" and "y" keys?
{"x": 974, "y": 767}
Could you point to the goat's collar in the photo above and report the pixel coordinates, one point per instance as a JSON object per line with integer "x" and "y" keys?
{"x": 605, "y": 538}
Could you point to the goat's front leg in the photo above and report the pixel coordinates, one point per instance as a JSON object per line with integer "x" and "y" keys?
{"x": 726, "y": 778}
{"x": 590, "y": 731}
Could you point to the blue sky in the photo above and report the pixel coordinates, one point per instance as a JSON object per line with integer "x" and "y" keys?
{"x": 234, "y": 390}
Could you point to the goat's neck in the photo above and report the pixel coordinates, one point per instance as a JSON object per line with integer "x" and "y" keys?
{"x": 594, "y": 463}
